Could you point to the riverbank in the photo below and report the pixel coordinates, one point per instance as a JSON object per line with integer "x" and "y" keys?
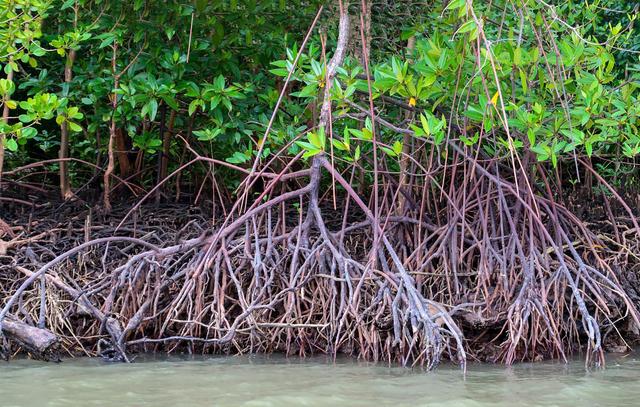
{"x": 114, "y": 299}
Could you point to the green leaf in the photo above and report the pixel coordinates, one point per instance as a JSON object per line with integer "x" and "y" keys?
{"x": 589, "y": 148}
{"x": 215, "y": 101}
{"x": 193, "y": 106}
{"x": 208, "y": 134}
{"x": 107, "y": 41}
{"x": 311, "y": 153}
{"x": 218, "y": 84}
{"x": 517, "y": 56}
{"x": 152, "y": 109}
{"x": 469, "y": 141}
{"x": 531, "y": 135}
{"x": 74, "y": 126}
{"x": 227, "y": 103}
{"x": 11, "y": 144}
{"x": 523, "y": 81}
{"x": 607, "y": 122}
{"x": 238, "y": 158}
{"x": 310, "y": 90}
{"x": 397, "y": 147}
{"x": 466, "y": 27}
{"x": 357, "y": 133}
{"x": 283, "y": 72}
{"x": 28, "y": 132}
{"x": 27, "y": 118}
{"x": 455, "y": 4}
{"x": 322, "y": 137}
{"x": 339, "y": 145}
{"x": 474, "y": 113}
{"x": 170, "y": 101}
{"x": 389, "y": 152}
{"x": 425, "y": 124}
{"x": 316, "y": 140}
{"x": 306, "y": 146}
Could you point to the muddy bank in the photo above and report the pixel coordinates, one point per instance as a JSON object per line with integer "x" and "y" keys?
{"x": 161, "y": 285}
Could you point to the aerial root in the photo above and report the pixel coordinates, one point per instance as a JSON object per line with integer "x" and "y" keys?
{"x": 252, "y": 287}
{"x": 496, "y": 272}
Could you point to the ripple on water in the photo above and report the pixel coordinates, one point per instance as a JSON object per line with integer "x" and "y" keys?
{"x": 277, "y": 381}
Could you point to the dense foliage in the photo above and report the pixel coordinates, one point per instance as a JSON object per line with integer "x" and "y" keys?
{"x": 210, "y": 72}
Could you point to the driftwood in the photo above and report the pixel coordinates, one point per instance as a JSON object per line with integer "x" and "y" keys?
{"x": 42, "y": 343}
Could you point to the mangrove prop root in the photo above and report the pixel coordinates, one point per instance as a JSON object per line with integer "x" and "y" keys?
{"x": 486, "y": 264}
{"x": 463, "y": 286}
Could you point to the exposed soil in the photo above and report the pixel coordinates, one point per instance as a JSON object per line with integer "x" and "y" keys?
{"x": 160, "y": 304}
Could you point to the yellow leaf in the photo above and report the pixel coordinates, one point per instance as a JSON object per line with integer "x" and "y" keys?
{"x": 412, "y": 102}
{"x": 494, "y": 99}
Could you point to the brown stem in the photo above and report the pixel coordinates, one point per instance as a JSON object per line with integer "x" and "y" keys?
{"x": 163, "y": 158}
{"x": 63, "y": 153}
{"x": 112, "y": 134}
{"x": 406, "y": 146}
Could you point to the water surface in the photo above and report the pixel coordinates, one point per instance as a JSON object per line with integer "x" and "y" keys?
{"x": 277, "y": 381}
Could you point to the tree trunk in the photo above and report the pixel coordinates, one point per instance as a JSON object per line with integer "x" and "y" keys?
{"x": 112, "y": 135}
{"x": 122, "y": 151}
{"x": 166, "y": 145}
{"x": 406, "y": 147}
{"x": 41, "y": 342}
{"x": 65, "y": 185}
{"x": 63, "y": 154}
{"x": 166, "y": 130}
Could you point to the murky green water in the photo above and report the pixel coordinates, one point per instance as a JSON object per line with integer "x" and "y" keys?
{"x": 275, "y": 381}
